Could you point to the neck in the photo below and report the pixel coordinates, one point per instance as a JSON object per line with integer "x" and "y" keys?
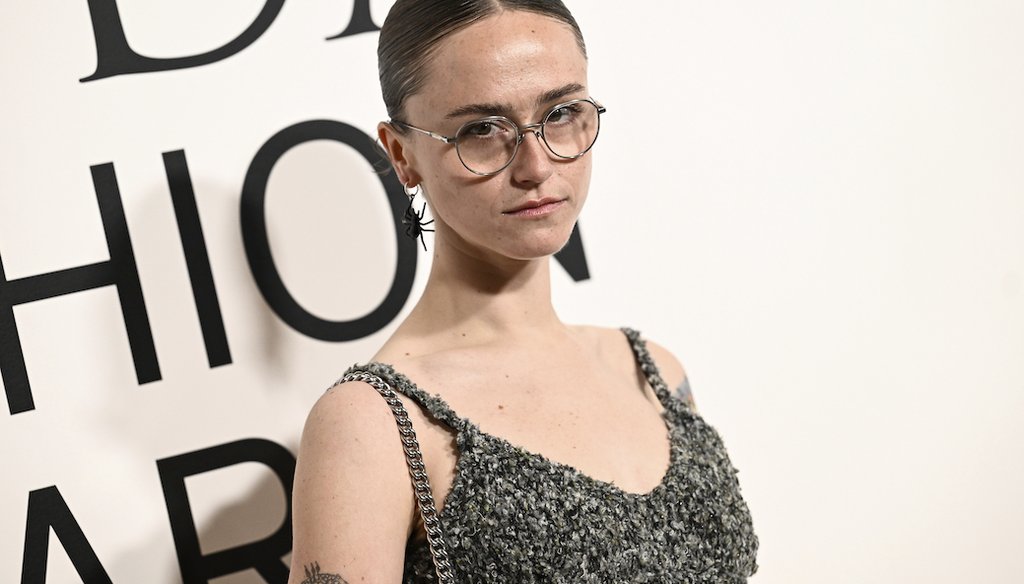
{"x": 483, "y": 299}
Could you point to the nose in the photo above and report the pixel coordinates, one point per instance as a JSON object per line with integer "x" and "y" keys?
{"x": 533, "y": 162}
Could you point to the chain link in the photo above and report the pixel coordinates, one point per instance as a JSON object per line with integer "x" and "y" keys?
{"x": 418, "y": 472}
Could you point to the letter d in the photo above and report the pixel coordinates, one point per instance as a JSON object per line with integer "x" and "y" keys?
{"x": 114, "y": 56}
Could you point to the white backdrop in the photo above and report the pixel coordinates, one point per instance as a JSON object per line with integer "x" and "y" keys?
{"x": 818, "y": 206}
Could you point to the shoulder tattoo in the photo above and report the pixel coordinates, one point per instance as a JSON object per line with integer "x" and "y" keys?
{"x": 683, "y": 393}
{"x": 315, "y": 576}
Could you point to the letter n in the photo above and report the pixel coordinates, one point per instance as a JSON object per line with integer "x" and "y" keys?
{"x": 573, "y": 257}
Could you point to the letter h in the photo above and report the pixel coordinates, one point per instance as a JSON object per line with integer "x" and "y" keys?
{"x": 120, "y": 271}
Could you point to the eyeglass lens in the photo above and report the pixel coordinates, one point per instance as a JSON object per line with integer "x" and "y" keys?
{"x": 487, "y": 146}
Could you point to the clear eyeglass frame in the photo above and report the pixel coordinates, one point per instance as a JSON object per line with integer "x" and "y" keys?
{"x": 538, "y": 129}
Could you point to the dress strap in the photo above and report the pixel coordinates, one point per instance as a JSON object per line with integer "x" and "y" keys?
{"x": 646, "y": 364}
{"x": 417, "y": 472}
{"x": 436, "y": 407}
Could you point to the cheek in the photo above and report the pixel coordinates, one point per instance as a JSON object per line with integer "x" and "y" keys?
{"x": 581, "y": 180}
{"x": 457, "y": 205}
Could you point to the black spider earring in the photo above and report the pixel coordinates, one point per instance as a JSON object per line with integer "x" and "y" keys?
{"x": 413, "y": 220}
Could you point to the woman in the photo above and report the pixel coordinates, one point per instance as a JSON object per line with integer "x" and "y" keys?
{"x": 546, "y": 445}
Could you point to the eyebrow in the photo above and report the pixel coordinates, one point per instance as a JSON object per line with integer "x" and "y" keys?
{"x": 500, "y": 109}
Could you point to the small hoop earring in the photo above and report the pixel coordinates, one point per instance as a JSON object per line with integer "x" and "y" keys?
{"x": 413, "y": 220}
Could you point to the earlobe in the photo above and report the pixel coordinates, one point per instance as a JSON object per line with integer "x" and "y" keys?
{"x": 394, "y": 145}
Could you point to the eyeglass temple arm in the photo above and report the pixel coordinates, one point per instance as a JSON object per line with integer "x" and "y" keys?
{"x": 434, "y": 135}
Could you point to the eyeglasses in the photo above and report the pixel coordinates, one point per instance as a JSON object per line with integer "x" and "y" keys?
{"x": 488, "y": 145}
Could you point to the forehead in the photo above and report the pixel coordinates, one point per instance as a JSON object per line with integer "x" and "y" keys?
{"x": 512, "y": 58}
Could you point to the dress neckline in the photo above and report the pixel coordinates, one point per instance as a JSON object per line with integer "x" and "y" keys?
{"x": 460, "y": 424}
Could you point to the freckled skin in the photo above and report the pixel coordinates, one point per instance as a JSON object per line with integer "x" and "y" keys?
{"x": 511, "y": 58}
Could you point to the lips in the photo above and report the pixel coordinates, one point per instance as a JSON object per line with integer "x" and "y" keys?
{"x": 533, "y": 204}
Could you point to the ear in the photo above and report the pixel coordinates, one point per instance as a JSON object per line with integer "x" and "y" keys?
{"x": 394, "y": 145}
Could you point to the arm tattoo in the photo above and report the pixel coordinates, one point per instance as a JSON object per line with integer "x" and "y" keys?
{"x": 684, "y": 394}
{"x": 313, "y": 576}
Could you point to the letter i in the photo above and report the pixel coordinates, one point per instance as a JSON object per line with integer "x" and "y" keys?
{"x": 197, "y": 259}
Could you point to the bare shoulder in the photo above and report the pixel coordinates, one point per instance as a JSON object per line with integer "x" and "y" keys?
{"x": 672, "y": 372}
{"x": 348, "y": 415}
{"x": 614, "y": 345}
{"x": 668, "y": 364}
{"x": 353, "y": 507}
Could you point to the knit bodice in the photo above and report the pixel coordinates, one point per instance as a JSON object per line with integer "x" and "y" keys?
{"x": 517, "y": 517}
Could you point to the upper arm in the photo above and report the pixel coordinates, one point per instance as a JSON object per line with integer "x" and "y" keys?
{"x": 672, "y": 373}
{"x": 352, "y": 503}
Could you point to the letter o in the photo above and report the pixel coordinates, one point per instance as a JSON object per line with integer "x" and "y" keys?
{"x": 257, "y": 242}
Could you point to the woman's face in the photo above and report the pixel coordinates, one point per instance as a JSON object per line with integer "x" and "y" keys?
{"x": 518, "y": 65}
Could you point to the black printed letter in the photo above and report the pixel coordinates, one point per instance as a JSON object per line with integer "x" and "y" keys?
{"x": 197, "y": 259}
{"x": 263, "y": 555}
{"x": 257, "y": 244}
{"x": 574, "y": 258}
{"x": 361, "y": 21}
{"x": 119, "y": 271}
{"x": 46, "y": 509}
{"x": 114, "y": 56}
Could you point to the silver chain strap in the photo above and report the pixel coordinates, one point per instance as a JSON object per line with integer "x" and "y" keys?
{"x": 418, "y": 472}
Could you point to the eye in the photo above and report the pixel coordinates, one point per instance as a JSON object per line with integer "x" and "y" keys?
{"x": 482, "y": 129}
{"x": 564, "y": 114}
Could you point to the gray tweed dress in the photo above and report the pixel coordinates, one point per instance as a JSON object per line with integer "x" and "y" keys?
{"x": 513, "y": 516}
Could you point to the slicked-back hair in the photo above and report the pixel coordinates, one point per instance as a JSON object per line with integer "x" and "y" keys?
{"x": 414, "y": 29}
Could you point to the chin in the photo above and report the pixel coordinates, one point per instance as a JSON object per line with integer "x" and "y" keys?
{"x": 542, "y": 246}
